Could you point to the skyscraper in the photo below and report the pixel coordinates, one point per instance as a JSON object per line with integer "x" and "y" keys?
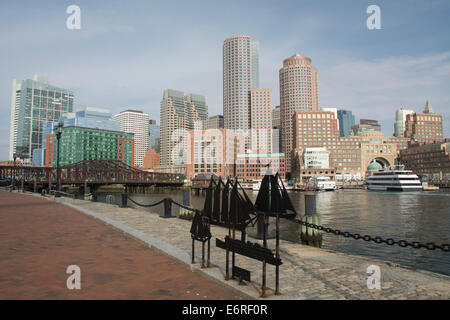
{"x": 136, "y": 122}
{"x": 240, "y": 75}
{"x": 261, "y": 120}
{"x": 299, "y": 91}
{"x": 215, "y": 122}
{"x": 276, "y": 130}
{"x": 33, "y": 103}
{"x": 255, "y": 64}
{"x": 179, "y": 112}
{"x": 94, "y": 118}
{"x": 400, "y": 120}
{"x": 346, "y": 121}
{"x": 154, "y": 134}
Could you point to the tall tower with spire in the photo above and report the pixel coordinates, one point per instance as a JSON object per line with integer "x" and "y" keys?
{"x": 425, "y": 127}
{"x": 428, "y": 108}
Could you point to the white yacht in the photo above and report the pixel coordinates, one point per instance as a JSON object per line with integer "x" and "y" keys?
{"x": 321, "y": 184}
{"x": 394, "y": 180}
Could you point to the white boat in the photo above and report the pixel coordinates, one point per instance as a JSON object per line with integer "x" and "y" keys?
{"x": 321, "y": 184}
{"x": 394, "y": 180}
{"x": 257, "y": 185}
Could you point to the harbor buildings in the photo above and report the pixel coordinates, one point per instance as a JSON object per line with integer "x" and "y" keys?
{"x": 79, "y": 143}
{"x": 349, "y": 156}
{"x": 213, "y": 151}
{"x": 179, "y": 113}
{"x": 153, "y": 135}
{"x": 215, "y": 122}
{"x": 400, "y": 121}
{"x": 299, "y": 92}
{"x": 253, "y": 166}
{"x": 431, "y": 160}
{"x": 260, "y": 121}
{"x": 346, "y": 121}
{"x": 240, "y": 75}
{"x": 425, "y": 127}
{"x": 137, "y": 123}
{"x": 364, "y": 125}
{"x": 33, "y": 103}
{"x": 151, "y": 160}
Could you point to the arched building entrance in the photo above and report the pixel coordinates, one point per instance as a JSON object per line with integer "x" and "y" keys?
{"x": 377, "y": 163}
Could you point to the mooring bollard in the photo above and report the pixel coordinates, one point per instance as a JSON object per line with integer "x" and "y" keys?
{"x": 124, "y": 203}
{"x": 308, "y": 235}
{"x": 310, "y": 204}
{"x": 186, "y": 202}
{"x": 94, "y": 196}
{"x": 167, "y": 208}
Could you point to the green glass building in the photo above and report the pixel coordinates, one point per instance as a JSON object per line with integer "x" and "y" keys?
{"x": 78, "y": 144}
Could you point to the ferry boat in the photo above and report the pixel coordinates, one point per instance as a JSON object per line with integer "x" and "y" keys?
{"x": 394, "y": 180}
{"x": 321, "y": 184}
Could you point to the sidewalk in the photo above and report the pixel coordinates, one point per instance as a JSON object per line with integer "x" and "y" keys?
{"x": 40, "y": 238}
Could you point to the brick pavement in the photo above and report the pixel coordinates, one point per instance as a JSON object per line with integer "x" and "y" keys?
{"x": 40, "y": 238}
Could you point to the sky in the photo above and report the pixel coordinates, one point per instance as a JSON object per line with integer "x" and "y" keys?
{"x": 128, "y": 52}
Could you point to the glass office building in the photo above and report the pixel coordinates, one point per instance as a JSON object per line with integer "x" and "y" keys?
{"x": 346, "y": 121}
{"x": 95, "y": 118}
{"x": 78, "y": 144}
{"x": 33, "y": 103}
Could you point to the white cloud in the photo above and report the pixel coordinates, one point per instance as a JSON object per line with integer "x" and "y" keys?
{"x": 375, "y": 88}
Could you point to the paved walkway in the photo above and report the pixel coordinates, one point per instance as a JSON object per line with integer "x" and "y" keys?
{"x": 40, "y": 238}
{"x": 306, "y": 273}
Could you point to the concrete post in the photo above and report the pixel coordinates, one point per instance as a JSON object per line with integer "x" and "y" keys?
{"x": 124, "y": 203}
{"x": 167, "y": 208}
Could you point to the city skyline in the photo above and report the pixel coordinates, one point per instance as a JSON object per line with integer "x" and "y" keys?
{"x": 370, "y": 72}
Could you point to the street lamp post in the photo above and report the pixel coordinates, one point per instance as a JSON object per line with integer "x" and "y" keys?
{"x": 14, "y": 172}
{"x": 58, "y": 170}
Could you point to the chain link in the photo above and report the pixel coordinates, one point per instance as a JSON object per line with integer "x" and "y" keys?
{"x": 389, "y": 241}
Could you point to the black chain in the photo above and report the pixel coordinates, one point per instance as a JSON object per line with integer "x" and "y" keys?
{"x": 183, "y": 206}
{"x": 389, "y": 241}
{"x": 145, "y": 205}
{"x": 159, "y": 202}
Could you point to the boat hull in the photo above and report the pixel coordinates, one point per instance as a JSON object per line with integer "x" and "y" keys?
{"x": 394, "y": 188}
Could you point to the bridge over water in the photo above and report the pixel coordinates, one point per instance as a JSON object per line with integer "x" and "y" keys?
{"x": 91, "y": 172}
